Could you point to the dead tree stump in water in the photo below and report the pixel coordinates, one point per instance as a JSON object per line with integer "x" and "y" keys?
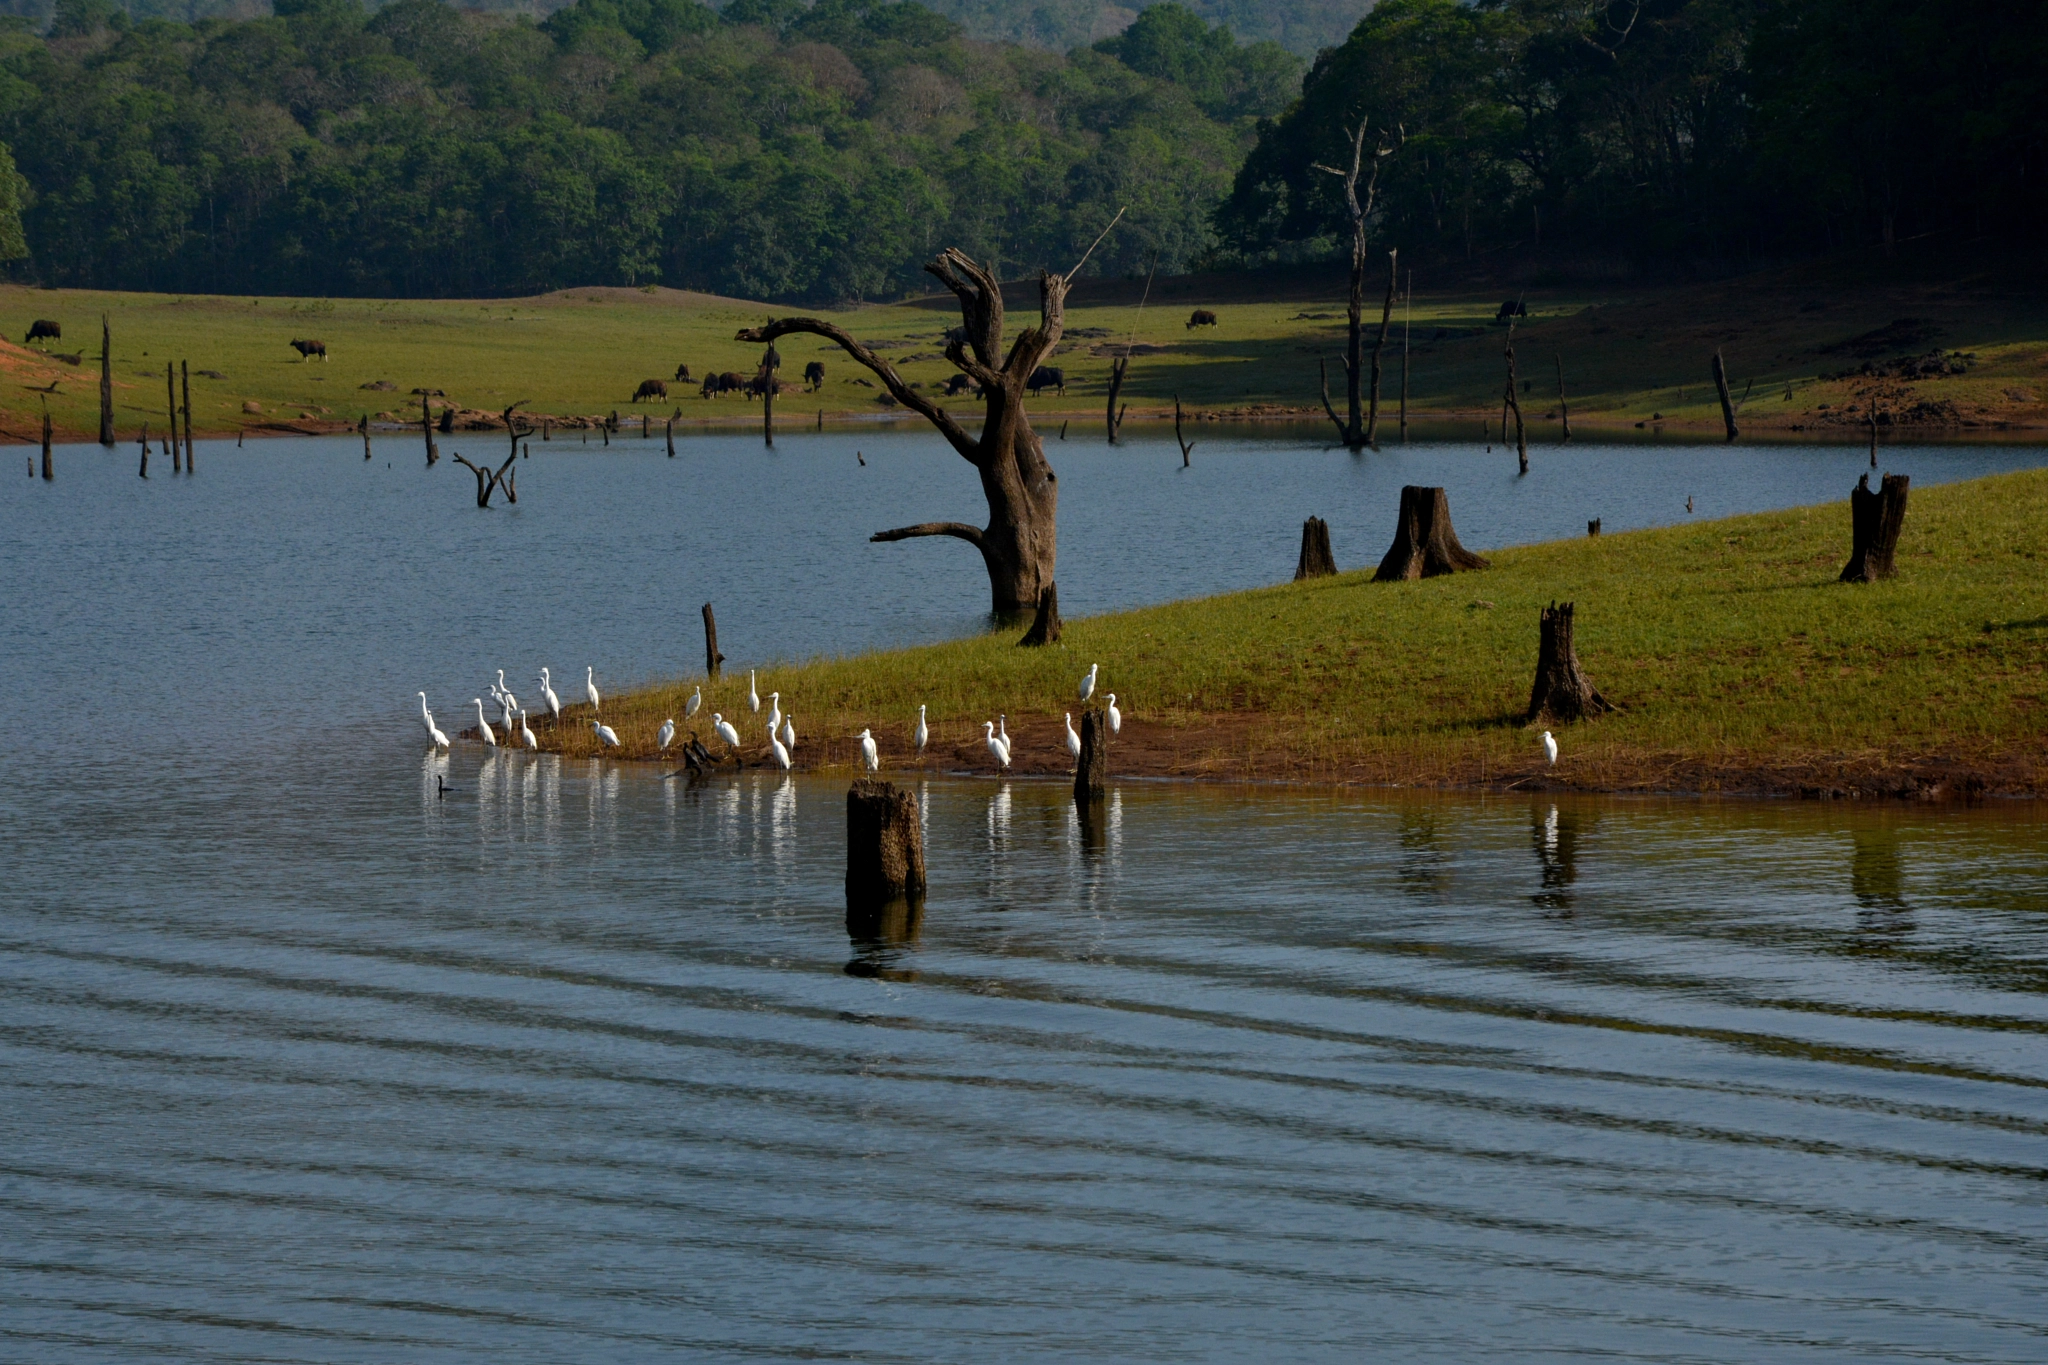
{"x": 1875, "y": 520}
{"x": 427, "y": 430}
{"x": 712, "y": 658}
{"x": 1424, "y": 543}
{"x": 106, "y": 383}
{"x": 49, "y": 472}
{"x": 1316, "y": 560}
{"x": 185, "y": 383}
{"x": 1045, "y": 626}
{"x": 171, "y": 447}
{"x": 1562, "y": 693}
{"x": 1593, "y": 527}
{"x": 1727, "y": 404}
{"x": 1091, "y": 771}
{"x": 1118, "y": 367}
{"x": 1515, "y": 404}
{"x": 884, "y": 844}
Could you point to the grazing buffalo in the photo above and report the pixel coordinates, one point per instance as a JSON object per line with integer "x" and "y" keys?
{"x": 43, "y": 327}
{"x": 650, "y": 388}
{"x": 1048, "y": 377}
{"x": 1513, "y": 308}
{"x": 683, "y": 375}
{"x": 958, "y": 385}
{"x": 1201, "y": 317}
{"x": 814, "y": 375}
{"x": 308, "y": 349}
{"x": 728, "y": 382}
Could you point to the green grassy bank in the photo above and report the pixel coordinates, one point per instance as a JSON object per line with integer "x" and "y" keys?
{"x": 1738, "y": 660}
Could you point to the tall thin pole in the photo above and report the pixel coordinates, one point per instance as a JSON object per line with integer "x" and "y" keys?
{"x": 106, "y": 383}
{"x": 185, "y": 382}
{"x": 171, "y": 402}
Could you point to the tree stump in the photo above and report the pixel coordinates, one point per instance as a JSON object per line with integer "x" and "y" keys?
{"x": 1721, "y": 390}
{"x": 1561, "y": 694}
{"x": 1045, "y": 626}
{"x": 1875, "y": 520}
{"x": 49, "y": 473}
{"x": 884, "y": 843}
{"x": 1593, "y": 527}
{"x": 1424, "y": 543}
{"x": 1316, "y": 560}
{"x": 1091, "y": 771}
{"x": 712, "y": 658}
{"x": 106, "y": 383}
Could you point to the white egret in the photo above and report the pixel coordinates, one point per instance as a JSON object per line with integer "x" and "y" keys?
{"x": 923, "y": 731}
{"x": 1549, "y": 747}
{"x": 434, "y": 735}
{"x": 483, "y": 726}
{"x": 590, "y": 686}
{"x": 425, "y": 715}
{"x": 667, "y": 735}
{"x": 547, "y": 694}
{"x": 696, "y": 700}
{"x": 725, "y": 730}
{"x": 753, "y": 697}
{"x": 1116, "y": 717}
{"x": 1088, "y": 683}
{"x": 526, "y": 735}
{"x": 781, "y": 754}
{"x": 1003, "y": 731}
{"x": 998, "y": 750}
{"x": 510, "y": 734}
{"x": 870, "y": 757}
{"x": 789, "y": 731}
{"x": 774, "y": 712}
{"x": 1073, "y": 739}
{"x": 505, "y": 697}
{"x": 605, "y": 734}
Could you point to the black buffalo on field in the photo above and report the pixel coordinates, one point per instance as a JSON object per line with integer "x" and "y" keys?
{"x": 1513, "y": 308}
{"x": 1201, "y": 317}
{"x": 308, "y": 349}
{"x": 958, "y": 385}
{"x": 728, "y": 382}
{"x": 650, "y": 388}
{"x": 814, "y": 375}
{"x": 43, "y": 327}
{"x": 1048, "y": 377}
{"x": 683, "y": 375}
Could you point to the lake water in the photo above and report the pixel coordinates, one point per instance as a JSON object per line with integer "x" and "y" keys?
{"x": 303, "y": 1062}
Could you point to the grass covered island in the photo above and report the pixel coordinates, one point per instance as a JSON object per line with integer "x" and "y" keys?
{"x": 1740, "y": 664}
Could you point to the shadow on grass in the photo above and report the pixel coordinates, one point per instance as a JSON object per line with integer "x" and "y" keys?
{"x": 2038, "y": 623}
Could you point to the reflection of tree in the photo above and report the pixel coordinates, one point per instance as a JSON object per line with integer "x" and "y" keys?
{"x": 883, "y": 933}
{"x": 1875, "y": 877}
{"x": 1556, "y": 840}
{"x": 1423, "y": 861}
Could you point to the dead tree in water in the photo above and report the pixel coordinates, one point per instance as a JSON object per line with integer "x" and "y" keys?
{"x": 171, "y": 447}
{"x": 1045, "y": 625}
{"x": 1316, "y": 560}
{"x": 1019, "y": 546}
{"x": 488, "y": 479}
{"x": 427, "y": 429}
{"x": 884, "y": 845}
{"x": 1352, "y": 432}
{"x": 49, "y": 471}
{"x": 1564, "y": 410}
{"x": 1425, "y": 545}
{"x": 1727, "y": 405}
{"x": 1091, "y": 771}
{"x": 712, "y": 658}
{"x": 1372, "y": 415}
{"x": 106, "y": 383}
{"x": 1515, "y": 404}
{"x": 1561, "y": 692}
{"x": 1117, "y": 369}
{"x": 1875, "y": 520}
{"x": 185, "y": 383}
{"x": 770, "y": 363}
{"x": 1187, "y": 448}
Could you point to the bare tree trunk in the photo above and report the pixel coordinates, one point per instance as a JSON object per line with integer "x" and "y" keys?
{"x": 769, "y": 364}
{"x": 1561, "y": 692}
{"x": 1045, "y": 626}
{"x": 1091, "y": 771}
{"x": 49, "y": 470}
{"x": 884, "y": 846}
{"x": 1425, "y": 545}
{"x": 669, "y": 430}
{"x": 712, "y": 658}
{"x": 171, "y": 401}
{"x": 485, "y": 481}
{"x": 185, "y": 383}
{"x": 363, "y": 429}
{"x": 1721, "y": 388}
{"x": 1117, "y": 368}
{"x": 1372, "y": 418}
{"x": 1407, "y": 307}
{"x": 427, "y": 429}
{"x": 1564, "y": 410}
{"x": 1514, "y": 404}
{"x": 106, "y": 383}
{"x": 1875, "y": 520}
{"x": 1019, "y": 546}
{"x": 1186, "y": 448}
{"x": 1353, "y": 431}
{"x": 1316, "y": 560}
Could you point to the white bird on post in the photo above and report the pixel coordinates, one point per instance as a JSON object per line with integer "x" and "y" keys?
{"x": 725, "y": 730}
{"x": 547, "y": 694}
{"x": 526, "y": 735}
{"x": 483, "y": 726}
{"x": 1073, "y": 739}
{"x": 590, "y": 686}
{"x": 923, "y": 731}
{"x": 753, "y": 697}
{"x": 696, "y": 700}
{"x": 996, "y": 748}
{"x": 1088, "y": 683}
{"x": 1116, "y": 717}
{"x": 1550, "y": 747}
{"x": 870, "y": 757}
{"x": 667, "y": 734}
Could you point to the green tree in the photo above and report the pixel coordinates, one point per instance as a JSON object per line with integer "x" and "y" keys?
{"x": 13, "y": 189}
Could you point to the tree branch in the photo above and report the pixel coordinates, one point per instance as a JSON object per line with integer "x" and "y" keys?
{"x": 960, "y": 530}
{"x": 954, "y": 433}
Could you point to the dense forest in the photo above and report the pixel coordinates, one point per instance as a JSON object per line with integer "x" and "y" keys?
{"x": 822, "y": 151}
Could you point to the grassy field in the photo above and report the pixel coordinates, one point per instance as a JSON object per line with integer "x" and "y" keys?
{"x": 1738, "y": 660}
{"x": 1631, "y": 353}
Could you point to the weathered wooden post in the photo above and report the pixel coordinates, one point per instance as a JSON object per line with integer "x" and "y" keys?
{"x": 884, "y": 845}
{"x": 670, "y": 430}
{"x": 1593, "y": 527}
{"x": 1875, "y": 520}
{"x": 1118, "y": 367}
{"x": 1316, "y": 560}
{"x": 364, "y": 427}
{"x": 1564, "y": 409}
{"x": 1045, "y": 624}
{"x": 106, "y": 383}
{"x": 1514, "y": 404}
{"x": 1561, "y": 692}
{"x": 49, "y": 473}
{"x": 1186, "y": 448}
{"x": 171, "y": 402}
{"x": 1425, "y": 545}
{"x": 547, "y": 428}
{"x": 1872, "y": 414}
{"x": 1727, "y": 404}
{"x": 185, "y": 383}
{"x": 427, "y": 430}
{"x": 712, "y": 658}
{"x": 1091, "y": 771}
{"x": 770, "y": 363}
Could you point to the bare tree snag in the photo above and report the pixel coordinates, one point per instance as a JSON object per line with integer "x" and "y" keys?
{"x": 1872, "y": 414}
{"x": 485, "y": 480}
{"x": 1564, "y": 410}
{"x": 1593, "y": 527}
{"x": 1360, "y": 213}
{"x": 106, "y": 383}
{"x": 1875, "y": 520}
{"x": 447, "y": 423}
{"x": 515, "y": 427}
{"x": 712, "y": 658}
{"x": 171, "y": 447}
{"x": 1091, "y": 771}
{"x": 1561, "y": 693}
{"x": 1019, "y": 546}
{"x": 1117, "y": 369}
{"x": 884, "y": 844}
{"x": 1514, "y": 405}
{"x": 1045, "y": 626}
{"x": 1372, "y": 416}
{"x": 1186, "y": 447}
{"x": 1407, "y": 308}
{"x": 1316, "y": 560}
{"x": 669, "y": 430}
{"x": 770, "y": 363}
{"x": 1721, "y": 388}
{"x": 143, "y": 470}
{"x": 427, "y": 430}
{"x": 49, "y": 470}
{"x": 185, "y": 383}
{"x": 1425, "y": 545}
{"x": 363, "y": 429}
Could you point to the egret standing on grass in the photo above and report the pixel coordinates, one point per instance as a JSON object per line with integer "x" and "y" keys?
{"x": 725, "y": 730}
{"x": 781, "y": 754}
{"x": 870, "y": 757}
{"x": 483, "y": 726}
{"x": 923, "y": 732}
{"x": 1088, "y": 683}
{"x": 605, "y": 734}
{"x": 774, "y": 712}
{"x": 590, "y": 686}
{"x": 1116, "y": 717}
{"x": 667, "y": 735}
{"x": 696, "y": 700}
{"x": 526, "y": 735}
{"x": 789, "y": 731}
{"x": 1003, "y": 732}
{"x": 1073, "y": 740}
{"x": 1550, "y": 748}
{"x": 547, "y": 694}
{"x": 753, "y": 697}
{"x": 996, "y": 748}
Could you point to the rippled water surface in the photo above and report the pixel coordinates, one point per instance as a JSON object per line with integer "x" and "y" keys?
{"x": 300, "y": 1060}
